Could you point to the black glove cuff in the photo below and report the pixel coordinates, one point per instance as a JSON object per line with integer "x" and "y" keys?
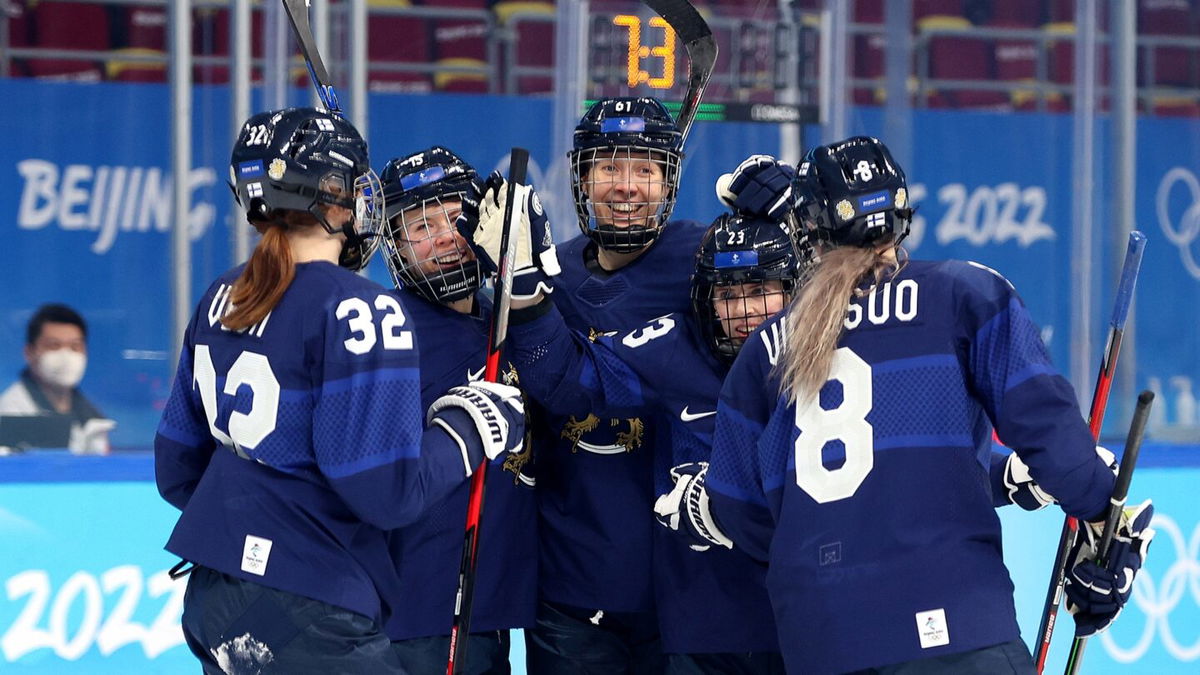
{"x": 530, "y": 314}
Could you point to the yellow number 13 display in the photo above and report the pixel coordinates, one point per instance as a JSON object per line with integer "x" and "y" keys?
{"x": 637, "y": 52}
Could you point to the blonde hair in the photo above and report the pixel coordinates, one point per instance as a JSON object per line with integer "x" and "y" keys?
{"x": 267, "y": 274}
{"x": 816, "y": 316}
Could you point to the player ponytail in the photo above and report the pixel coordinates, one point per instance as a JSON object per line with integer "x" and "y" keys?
{"x": 266, "y": 276}
{"x": 815, "y": 319}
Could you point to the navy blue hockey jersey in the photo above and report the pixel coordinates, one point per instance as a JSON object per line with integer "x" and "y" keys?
{"x": 595, "y": 492}
{"x": 291, "y": 446}
{"x": 428, "y": 552}
{"x": 873, "y": 505}
{"x": 708, "y": 602}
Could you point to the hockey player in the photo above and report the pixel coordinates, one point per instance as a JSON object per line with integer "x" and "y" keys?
{"x": 293, "y": 437}
{"x": 595, "y": 488}
{"x": 438, "y": 278}
{"x": 851, "y": 447}
{"x": 713, "y": 609}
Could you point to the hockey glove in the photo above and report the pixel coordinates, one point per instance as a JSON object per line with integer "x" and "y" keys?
{"x": 1095, "y": 594}
{"x": 1025, "y": 493}
{"x": 685, "y": 508}
{"x": 486, "y": 419}
{"x": 760, "y": 186}
{"x": 482, "y": 224}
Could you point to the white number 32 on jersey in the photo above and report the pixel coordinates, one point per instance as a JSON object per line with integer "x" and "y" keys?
{"x": 362, "y": 324}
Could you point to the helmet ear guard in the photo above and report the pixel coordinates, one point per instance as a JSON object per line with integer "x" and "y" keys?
{"x": 852, "y": 193}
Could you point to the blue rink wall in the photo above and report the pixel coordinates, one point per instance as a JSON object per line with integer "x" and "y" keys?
{"x": 84, "y": 585}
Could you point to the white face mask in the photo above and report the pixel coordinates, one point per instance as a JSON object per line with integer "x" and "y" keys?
{"x": 62, "y": 367}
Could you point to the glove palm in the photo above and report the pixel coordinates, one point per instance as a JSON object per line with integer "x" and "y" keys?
{"x": 482, "y": 224}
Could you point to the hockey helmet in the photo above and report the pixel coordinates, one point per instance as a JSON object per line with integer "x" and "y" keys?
{"x": 637, "y": 145}
{"x": 424, "y": 193}
{"x": 852, "y": 193}
{"x": 304, "y": 159}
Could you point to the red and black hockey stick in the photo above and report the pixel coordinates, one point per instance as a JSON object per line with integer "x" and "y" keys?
{"x": 1133, "y": 445}
{"x": 701, "y": 47}
{"x": 297, "y": 11}
{"x": 463, "y": 599}
{"x": 1108, "y": 368}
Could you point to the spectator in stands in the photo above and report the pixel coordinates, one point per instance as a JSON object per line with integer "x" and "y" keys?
{"x": 56, "y": 358}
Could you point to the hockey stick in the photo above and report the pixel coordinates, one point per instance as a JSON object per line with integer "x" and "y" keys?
{"x": 464, "y": 598}
{"x": 1133, "y": 445}
{"x": 297, "y": 11}
{"x": 701, "y": 47}
{"x": 1108, "y": 368}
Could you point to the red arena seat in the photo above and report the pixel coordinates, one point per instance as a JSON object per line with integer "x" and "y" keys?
{"x": 70, "y": 25}
{"x": 393, "y": 38}
{"x": 533, "y": 26}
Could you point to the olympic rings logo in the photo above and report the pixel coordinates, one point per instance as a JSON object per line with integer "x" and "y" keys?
{"x": 1189, "y": 225}
{"x": 1158, "y": 601}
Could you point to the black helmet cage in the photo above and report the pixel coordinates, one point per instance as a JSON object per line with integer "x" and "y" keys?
{"x": 626, "y": 128}
{"x": 852, "y": 193}
{"x": 300, "y": 159}
{"x": 738, "y": 250}
{"x": 417, "y": 190}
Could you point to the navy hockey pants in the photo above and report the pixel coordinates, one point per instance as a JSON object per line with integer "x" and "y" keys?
{"x": 742, "y": 663}
{"x": 574, "y": 641}
{"x": 487, "y": 653}
{"x": 1002, "y": 659}
{"x": 236, "y": 626}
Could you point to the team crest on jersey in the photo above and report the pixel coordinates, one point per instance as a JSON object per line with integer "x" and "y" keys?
{"x": 277, "y": 169}
{"x": 594, "y": 334}
{"x": 516, "y": 462}
{"x": 625, "y": 441}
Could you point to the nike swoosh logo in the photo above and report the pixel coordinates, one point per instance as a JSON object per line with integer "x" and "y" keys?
{"x": 475, "y": 376}
{"x": 692, "y": 417}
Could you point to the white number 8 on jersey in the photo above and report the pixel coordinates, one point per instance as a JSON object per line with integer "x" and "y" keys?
{"x": 847, "y": 423}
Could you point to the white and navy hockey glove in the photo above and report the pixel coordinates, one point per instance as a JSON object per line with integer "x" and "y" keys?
{"x": 1095, "y": 594}
{"x": 482, "y": 224}
{"x": 761, "y": 186}
{"x": 1025, "y": 493}
{"x": 685, "y": 509}
{"x": 486, "y": 419}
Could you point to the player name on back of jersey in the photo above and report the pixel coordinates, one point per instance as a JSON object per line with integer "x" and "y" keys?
{"x": 894, "y": 301}
{"x": 220, "y": 306}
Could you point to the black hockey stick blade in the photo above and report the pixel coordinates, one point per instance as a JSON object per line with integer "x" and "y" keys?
{"x": 297, "y": 11}
{"x": 518, "y": 163}
{"x": 701, "y": 50}
{"x": 1133, "y": 446}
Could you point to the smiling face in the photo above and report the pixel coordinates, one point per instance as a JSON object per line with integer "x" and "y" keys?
{"x": 741, "y": 308}
{"x": 626, "y": 187}
{"x": 427, "y": 239}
